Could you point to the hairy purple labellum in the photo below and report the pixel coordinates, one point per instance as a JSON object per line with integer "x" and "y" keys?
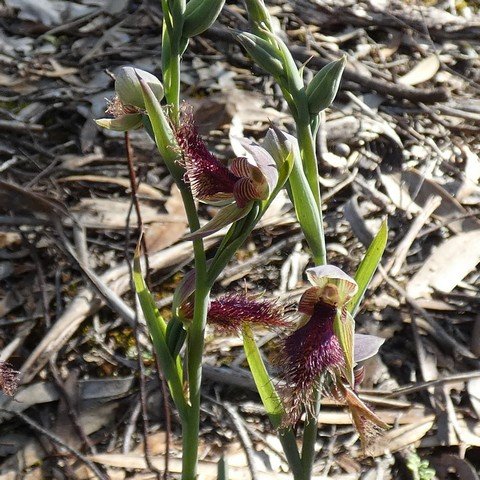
{"x": 230, "y": 312}
{"x": 307, "y": 353}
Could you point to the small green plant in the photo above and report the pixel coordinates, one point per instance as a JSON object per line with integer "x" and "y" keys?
{"x": 420, "y": 469}
{"x": 322, "y": 354}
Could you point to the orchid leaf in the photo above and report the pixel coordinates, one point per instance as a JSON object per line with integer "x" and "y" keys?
{"x": 270, "y": 398}
{"x": 368, "y": 266}
{"x": 158, "y": 330}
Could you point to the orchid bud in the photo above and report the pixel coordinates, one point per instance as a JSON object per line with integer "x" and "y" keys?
{"x": 258, "y": 14}
{"x": 200, "y": 15}
{"x": 263, "y": 53}
{"x": 129, "y": 90}
{"x": 323, "y": 88}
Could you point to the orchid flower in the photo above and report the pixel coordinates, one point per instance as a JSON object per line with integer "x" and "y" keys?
{"x": 325, "y": 349}
{"x": 127, "y": 107}
{"x": 235, "y": 187}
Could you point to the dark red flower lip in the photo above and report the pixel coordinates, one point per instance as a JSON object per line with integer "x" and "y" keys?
{"x": 307, "y": 354}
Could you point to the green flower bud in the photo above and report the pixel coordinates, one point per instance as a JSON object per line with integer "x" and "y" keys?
{"x": 323, "y": 88}
{"x": 263, "y": 53}
{"x": 200, "y": 15}
{"x": 258, "y": 15}
{"x": 129, "y": 90}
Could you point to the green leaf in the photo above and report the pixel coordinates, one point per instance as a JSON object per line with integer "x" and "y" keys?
{"x": 264, "y": 54}
{"x": 368, "y": 266}
{"x": 270, "y": 398}
{"x": 175, "y": 336}
{"x": 158, "y": 329}
{"x": 306, "y": 211}
{"x": 258, "y": 16}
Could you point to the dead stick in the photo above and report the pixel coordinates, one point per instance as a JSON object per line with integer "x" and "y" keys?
{"x": 136, "y": 203}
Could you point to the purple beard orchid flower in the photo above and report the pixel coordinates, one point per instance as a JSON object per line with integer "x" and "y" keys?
{"x": 316, "y": 353}
{"x": 245, "y": 181}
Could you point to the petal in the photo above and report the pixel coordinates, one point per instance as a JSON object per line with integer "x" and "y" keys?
{"x": 246, "y": 190}
{"x": 309, "y": 299}
{"x": 366, "y": 346}
{"x": 324, "y": 274}
{"x": 210, "y": 180}
{"x": 129, "y": 90}
{"x": 367, "y": 423}
{"x": 280, "y": 145}
{"x": 242, "y": 166}
{"x": 307, "y": 354}
{"x": 225, "y": 216}
{"x": 184, "y": 290}
{"x": 264, "y": 162}
{"x": 122, "y": 123}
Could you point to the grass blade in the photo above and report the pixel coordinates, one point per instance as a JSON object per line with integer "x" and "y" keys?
{"x": 368, "y": 266}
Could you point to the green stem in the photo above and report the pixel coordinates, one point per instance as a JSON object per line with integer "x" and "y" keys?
{"x": 310, "y": 438}
{"x": 289, "y": 445}
{"x": 173, "y": 92}
{"x": 195, "y": 343}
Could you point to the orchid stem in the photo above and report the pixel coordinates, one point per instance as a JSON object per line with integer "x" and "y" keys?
{"x": 195, "y": 344}
{"x": 310, "y": 439}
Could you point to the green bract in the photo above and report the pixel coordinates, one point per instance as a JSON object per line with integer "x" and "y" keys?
{"x": 323, "y": 88}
